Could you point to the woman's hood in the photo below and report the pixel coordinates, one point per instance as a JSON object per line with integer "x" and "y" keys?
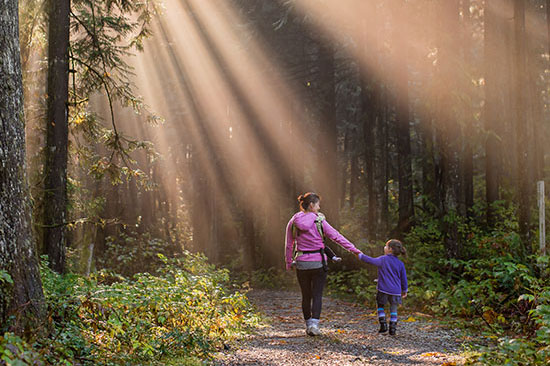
{"x": 304, "y": 220}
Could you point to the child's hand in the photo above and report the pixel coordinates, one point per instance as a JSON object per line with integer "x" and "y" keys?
{"x": 404, "y": 295}
{"x": 358, "y": 254}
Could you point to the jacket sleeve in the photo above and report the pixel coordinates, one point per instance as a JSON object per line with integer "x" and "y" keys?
{"x": 371, "y": 260}
{"x": 404, "y": 283}
{"x": 338, "y": 238}
{"x": 289, "y": 244}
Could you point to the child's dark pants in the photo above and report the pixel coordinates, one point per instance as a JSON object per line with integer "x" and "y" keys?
{"x": 312, "y": 282}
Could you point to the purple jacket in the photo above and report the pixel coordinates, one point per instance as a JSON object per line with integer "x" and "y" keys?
{"x": 308, "y": 238}
{"x": 392, "y": 277}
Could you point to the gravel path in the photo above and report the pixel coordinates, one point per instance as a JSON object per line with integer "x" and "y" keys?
{"x": 350, "y": 337}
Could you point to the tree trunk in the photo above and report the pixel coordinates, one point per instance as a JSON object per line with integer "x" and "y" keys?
{"x": 404, "y": 168}
{"x": 548, "y": 23}
{"x": 354, "y": 170}
{"x": 369, "y": 108}
{"x": 24, "y": 299}
{"x": 327, "y": 143}
{"x": 57, "y": 134}
{"x": 520, "y": 74}
{"x": 493, "y": 160}
{"x": 467, "y": 159}
{"x": 249, "y": 232}
{"x": 448, "y": 130}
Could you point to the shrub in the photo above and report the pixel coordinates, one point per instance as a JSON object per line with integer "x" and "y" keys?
{"x": 106, "y": 319}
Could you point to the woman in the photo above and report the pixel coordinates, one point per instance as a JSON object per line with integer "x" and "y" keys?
{"x": 310, "y": 261}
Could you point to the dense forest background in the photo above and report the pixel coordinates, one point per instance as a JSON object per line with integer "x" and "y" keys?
{"x": 392, "y": 112}
{"x": 169, "y": 127}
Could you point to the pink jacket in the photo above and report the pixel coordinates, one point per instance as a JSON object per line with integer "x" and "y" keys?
{"x": 308, "y": 238}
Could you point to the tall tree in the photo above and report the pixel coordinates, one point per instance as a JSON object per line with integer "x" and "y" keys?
{"x": 57, "y": 135}
{"x": 328, "y": 133}
{"x": 493, "y": 160}
{"x": 448, "y": 128}
{"x": 467, "y": 157}
{"x": 24, "y": 297}
{"x": 404, "y": 169}
{"x": 520, "y": 74}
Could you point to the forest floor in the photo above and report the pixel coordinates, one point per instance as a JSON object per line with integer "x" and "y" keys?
{"x": 349, "y": 337}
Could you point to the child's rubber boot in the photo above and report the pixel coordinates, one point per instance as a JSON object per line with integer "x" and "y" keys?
{"x": 383, "y": 325}
{"x": 393, "y": 327}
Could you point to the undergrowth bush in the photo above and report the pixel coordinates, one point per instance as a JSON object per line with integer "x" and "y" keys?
{"x": 186, "y": 309}
{"x": 495, "y": 287}
{"x": 129, "y": 253}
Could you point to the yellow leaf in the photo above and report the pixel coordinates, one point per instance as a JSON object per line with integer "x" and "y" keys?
{"x": 391, "y": 352}
{"x": 410, "y": 319}
{"x": 452, "y": 363}
{"x": 431, "y": 354}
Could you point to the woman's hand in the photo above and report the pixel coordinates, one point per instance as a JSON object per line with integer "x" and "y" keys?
{"x": 358, "y": 254}
{"x": 404, "y": 295}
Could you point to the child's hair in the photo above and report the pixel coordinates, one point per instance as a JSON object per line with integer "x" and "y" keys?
{"x": 308, "y": 198}
{"x": 397, "y": 247}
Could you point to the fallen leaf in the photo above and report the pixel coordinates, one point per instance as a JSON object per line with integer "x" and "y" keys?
{"x": 431, "y": 354}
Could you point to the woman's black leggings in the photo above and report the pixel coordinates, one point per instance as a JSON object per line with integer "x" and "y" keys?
{"x": 312, "y": 282}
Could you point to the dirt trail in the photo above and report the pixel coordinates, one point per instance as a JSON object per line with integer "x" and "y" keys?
{"x": 349, "y": 337}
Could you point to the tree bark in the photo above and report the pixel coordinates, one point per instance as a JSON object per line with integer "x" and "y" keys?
{"x": 24, "y": 299}
{"x": 57, "y": 135}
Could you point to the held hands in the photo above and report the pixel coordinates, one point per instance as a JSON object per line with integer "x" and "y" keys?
{"x": 404, "y": 295}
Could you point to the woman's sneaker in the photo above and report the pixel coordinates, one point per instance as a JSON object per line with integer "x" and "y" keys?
{"x": 313, "y": 327}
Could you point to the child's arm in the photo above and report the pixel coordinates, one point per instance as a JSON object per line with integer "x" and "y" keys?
{"x": 404, "y": 283}
{"x": 371, "y": 260}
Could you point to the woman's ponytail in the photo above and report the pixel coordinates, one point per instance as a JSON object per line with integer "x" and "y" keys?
{"x": 306, "y": 199}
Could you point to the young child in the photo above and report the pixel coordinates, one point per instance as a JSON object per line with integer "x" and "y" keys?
{"x": 392, "y": 282}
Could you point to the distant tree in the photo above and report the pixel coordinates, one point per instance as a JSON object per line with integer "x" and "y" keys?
{"x": 57, "y": 135}
{"x": 493, "y": 158}
{"x": 403, "y": 131}
{"x": 448, "y": 127}
{"x": 521, "y": 124}
{"x": 21, "y": 293}
{"x": 328, "y": 132}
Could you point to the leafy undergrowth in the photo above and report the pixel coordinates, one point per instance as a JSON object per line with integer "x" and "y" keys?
{"x": 185, "y": 312}
{"x": 496, "y": 291}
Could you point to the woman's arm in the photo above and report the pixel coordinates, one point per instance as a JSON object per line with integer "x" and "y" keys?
{"x": 289, "y": 245}
{"x": 338, "y": 238}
